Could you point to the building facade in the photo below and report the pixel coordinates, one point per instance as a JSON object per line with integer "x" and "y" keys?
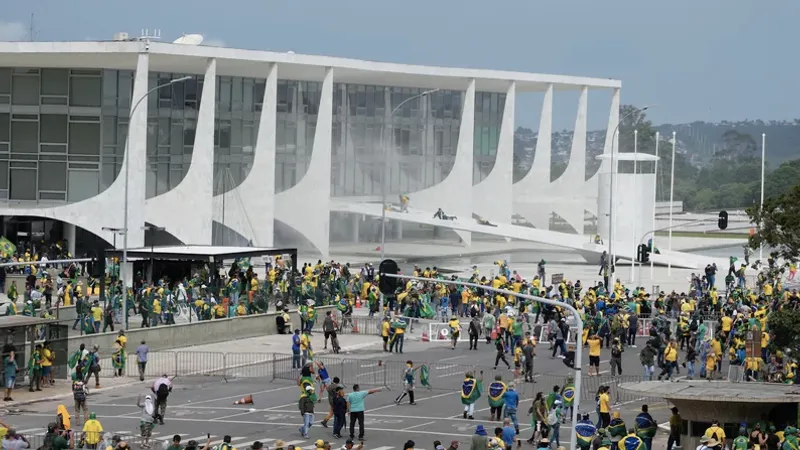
{"x": 252, "y": 146}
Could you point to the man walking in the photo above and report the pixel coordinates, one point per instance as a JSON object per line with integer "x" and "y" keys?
{"x": 339, "y": 412}
{"x": 141, "y": 359}
{"x": 356, "y": 401}
{"x": 162, "y": 388}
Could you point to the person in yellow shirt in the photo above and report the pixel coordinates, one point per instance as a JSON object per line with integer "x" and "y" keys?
{"x": 595, "y": 343}
{"x": 241, "y": 310}
{"x": 385, "y": 333}
{"x": 711, "y": 365}
{"x": 764, "y": 343}
{"x": 715, "y": 432}
{"x": 48, "y": 356}
{"x": 670, "y": 360}
{"x": 253, "y": 287}
{"x": 727, "y": 321}
{"x": 92, "y": 430}
{"x": 97, "y": 316}
{"x": 604, "y": 407}
{"x": 305, "y": 346}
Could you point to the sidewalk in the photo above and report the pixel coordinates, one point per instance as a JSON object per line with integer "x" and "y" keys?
{"x": 63, "y": 390}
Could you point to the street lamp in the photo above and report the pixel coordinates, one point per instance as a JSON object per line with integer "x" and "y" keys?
{"x": 385, "y": 177}
{"x": 612, "y": 259}
{"x": 125, "y": 202}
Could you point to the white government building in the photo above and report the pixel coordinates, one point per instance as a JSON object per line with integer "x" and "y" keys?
{"x": 279, "y": 147}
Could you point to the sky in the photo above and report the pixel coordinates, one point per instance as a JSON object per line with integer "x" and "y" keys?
{"x": 707, "y": 60}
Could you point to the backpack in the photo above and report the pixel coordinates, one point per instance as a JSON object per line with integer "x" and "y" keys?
{"x": 163, "y": 392}
{"x": 78, "y": 393}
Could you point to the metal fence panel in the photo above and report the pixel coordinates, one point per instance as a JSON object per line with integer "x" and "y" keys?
{"x": 199, "y": 363}
{"x": 247, "y": 365}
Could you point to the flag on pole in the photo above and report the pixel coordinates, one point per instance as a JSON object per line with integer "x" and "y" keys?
{"x": 424, "y": 374}
{"x": 6, "y": 247}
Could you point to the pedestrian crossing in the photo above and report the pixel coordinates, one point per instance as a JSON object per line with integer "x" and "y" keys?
{"x": 238, "y": 442}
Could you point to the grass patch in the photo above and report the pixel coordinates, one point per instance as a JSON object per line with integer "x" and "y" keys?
{"x": 700, "y": 234}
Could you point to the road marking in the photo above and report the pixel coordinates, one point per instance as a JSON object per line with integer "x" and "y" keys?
{"x": 236, "y": 415}
{"x": 420, "y": 425}
{"x": 237, "y": 396}
{"x": 394, "y": 405}
{"x": 452, "y": 358}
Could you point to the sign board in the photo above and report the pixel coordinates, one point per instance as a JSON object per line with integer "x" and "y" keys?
{"x": 557, "y": 278}
{"x": 753, "y": 343}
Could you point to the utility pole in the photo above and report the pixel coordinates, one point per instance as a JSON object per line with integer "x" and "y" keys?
{"x": 31, "y": 30}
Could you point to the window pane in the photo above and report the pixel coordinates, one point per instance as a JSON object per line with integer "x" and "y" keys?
{"x": 3, "y": 174}
{"x": 5, "y": 127}
{"x": 109, "y": 130}
{"x": 5, "y": 81}
{"x": 53, "y": 128}
{"x": 85, "y": 91}
{"x": 23, "y": 184}
{"x": 26, "y": 90}
{"x": 24, "y": 137}
{"x": 84, "y": 139}
{"x": 83, "y": 184}
{"x": 52, "y": 176}
{"x": 55, "y": 82}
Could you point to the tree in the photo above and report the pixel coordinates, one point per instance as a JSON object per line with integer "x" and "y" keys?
{"x": 783, "y": 325}
{"x": 778, "y": 224}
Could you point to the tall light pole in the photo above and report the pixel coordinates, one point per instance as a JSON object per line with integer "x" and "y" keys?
{"x": 671, "y": 197}
{"x": 763, "y": 165}
{"x": 635, "y": 205}
{"x": 612, "y": 259}
{"x": 655, "y": 200}
{"x": 125, "y": 202}
{"x": 385, "y": 177}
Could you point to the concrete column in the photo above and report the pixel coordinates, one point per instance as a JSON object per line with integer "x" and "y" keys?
{"x": 356, "y": 219}
{"x": 398, "y": 229}
{"x": 69, "y": 236}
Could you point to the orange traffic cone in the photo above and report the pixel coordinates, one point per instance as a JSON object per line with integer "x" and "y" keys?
{"x": 246, "y": 400}
{"x": 355, "y": 326}
{"x": 425, "y": 337}
{"x": 378, "y": 248}
{"x": 380, "y": 362}
{"x": 358, "y": 302}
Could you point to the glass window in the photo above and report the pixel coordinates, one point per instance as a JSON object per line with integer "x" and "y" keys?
{"x": 176, "y": 140}
{"x": 3, "y": 174}
{"x": 85, "y": 91}
{"x": 247, "y": 94}
{"x": 178, "y": 95}
{"x": 189, "y": 130}
{"x": 53, "y": 128}
{"x": 84, "y": 139}
{"x": 5, "y": 81}
{"x": 83, "y": 184}
{"x": 5, "y": 127}
{"x": 52, "y": 176}
{"x": 24, "y": 137}
{"x": 236, "y": 94}
{"x": 55, "y": 82}
{"x": 23, "y": 184}
{"x": 163, "y": 131}
{"x": 224, "y": 93}
{"x": 110, "y": 130}
{"x": 258, "y": 94}
{"x": 26, "y": 90}
{"x": 236, "y": 132}
{"x": 225, "y": 133}
{"x": 125, "y": 89}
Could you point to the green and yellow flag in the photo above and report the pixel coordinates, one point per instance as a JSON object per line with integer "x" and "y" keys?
{"x": 6, "y": 247}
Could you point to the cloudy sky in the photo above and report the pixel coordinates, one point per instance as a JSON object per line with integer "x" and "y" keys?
{"x": 695, "y": 59}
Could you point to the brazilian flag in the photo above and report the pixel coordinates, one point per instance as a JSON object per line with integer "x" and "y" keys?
{"x": 496, "y": 391}
{"x": 617, "y": 428}
{"x": 568, "y": 395}
{"x": 645, "y": 427}
{"x": 470, "y": 391}
{"x": 308, "y": 381}
{"x": 6, "y": 247}
{"x": 424, "y": 376}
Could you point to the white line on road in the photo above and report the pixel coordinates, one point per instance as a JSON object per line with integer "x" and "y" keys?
{"x": 237, "y": 396}
{"x": 394, "y": 406}
{"x": 420, "y": 425}
{"x": 452, "y": 358}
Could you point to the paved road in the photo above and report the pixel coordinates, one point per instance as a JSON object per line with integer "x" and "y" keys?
{"x": 201, "y": 405}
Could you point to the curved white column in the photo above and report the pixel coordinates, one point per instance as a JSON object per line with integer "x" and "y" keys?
{"x": 492, "y": 197}
{"x": 454, "y": 193}
{"x": 185, "y": 211}
{"x": 256, "y": 220}
{"x": 306, "y": 206}
{"x": 592, "y": 186}
{"x": 106, "y": 208}
{"x": 569, "y": 187}
{"x": 530, "y": 193}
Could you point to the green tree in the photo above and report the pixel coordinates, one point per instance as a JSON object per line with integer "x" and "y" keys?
{"x": 783, "y": 325}
{"x": 778, "y": 224}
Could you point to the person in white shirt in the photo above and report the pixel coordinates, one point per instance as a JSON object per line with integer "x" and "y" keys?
{"x": 162, "y": 388}
{"x": 703, "y": 442}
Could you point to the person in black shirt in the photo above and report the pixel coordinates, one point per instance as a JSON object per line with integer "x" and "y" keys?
{"x": 339, "y": 412}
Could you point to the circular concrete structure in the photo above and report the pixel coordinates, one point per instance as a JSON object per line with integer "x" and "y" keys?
{"x": 701, "y": 401}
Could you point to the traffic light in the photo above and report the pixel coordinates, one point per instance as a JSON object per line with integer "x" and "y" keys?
{"x": 388, "y": 285}
{"x": 643, "y": 253}
{"x": 722, "y": 222}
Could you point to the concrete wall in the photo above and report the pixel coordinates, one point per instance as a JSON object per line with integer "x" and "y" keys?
{"x": 184, "y": 335}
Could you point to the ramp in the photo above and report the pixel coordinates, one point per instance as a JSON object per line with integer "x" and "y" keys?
{"x": 589, "y": 251}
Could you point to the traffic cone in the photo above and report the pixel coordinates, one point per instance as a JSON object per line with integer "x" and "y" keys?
{"x": 425, "y": 337}
{"x": 378, "y": 248}
{"x": 246, "y": 400}
{"x": 355, "y": 326}
{"x": 380, "y": 362}
{"x": 358, "y": 302}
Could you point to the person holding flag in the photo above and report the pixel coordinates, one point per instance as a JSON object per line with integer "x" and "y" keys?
{"x": 568, "y": 398}
{"x": 632, "y": 442}
{"x": 408, "y": 384}
{"x": 496, "y": 395}
{"x": 471, "y": 390}
{"x": 585, "y": 431}
{"x": 645, "y": 428}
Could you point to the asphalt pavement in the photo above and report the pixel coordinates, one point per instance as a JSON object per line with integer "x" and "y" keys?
{"x": 204, "y": 404}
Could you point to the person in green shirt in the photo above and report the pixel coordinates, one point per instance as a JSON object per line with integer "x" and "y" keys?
{"x": 176, "y": 443}
{"x": 742, "y": 441}
{"x": 35, "y": 368}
